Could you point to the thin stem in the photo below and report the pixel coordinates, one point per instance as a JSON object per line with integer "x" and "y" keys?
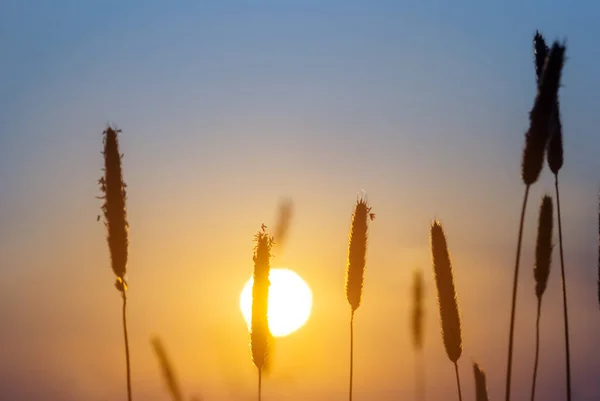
{"x": 537, "y": 348}
{"x": 514, "y": 295}
{"x": 351, "y": 352}
{"x": 259, "y": 384}
{"x": 458, "y": 381}
{"x": 420, "y": 375}
{"x": 564, "y": 289}
{"x": 126, "y": 345}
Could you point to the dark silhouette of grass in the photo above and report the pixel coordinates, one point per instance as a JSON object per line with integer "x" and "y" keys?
{"x": 481, "y": 393}
{"x": 115, "y": 215}
{"x": 555, "y": 163}
{"x": 417, "y": 333}
{"x": 259, "y": 335}
{"x": 536, "y": 140}
{"x": 167, "y": 370}
{"x": 541, "y": 272}
{"x": 447, "y": 301}
{"x": 357, "y": 254}
{"x": 599, "y": 247}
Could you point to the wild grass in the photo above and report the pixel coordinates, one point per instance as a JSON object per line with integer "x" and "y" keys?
{"x": 259, "y": 333}
{"x": 481, "y": 393}
{"x": 167, "y": 370}
{"x": 355, "y": 271}
{"x": 555, "y": 154}
{"x": 536, "y": 139}
{"x": 543, "y": 140}
{"x": 541, "y": 272}
{"x": 115, "y": 220}
{"x": 417, "y": 322}
{"x": 447, "y": 301}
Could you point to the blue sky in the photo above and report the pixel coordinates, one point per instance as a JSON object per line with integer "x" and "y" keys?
{"x": 225, "y": 106}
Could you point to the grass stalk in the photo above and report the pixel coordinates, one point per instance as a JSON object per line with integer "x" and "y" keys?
{"x": 537, "y": 348}
{"x": 458, "y": 381}
{"x": 117, "y": 227}
{"x": 541, "y": 271}
{"x": 447, "y": 300}
{"x": 126, "y": 338}
{"x": 357, "y": 253}
{"x": 514, "y": 294}
{"x": 564, "y": 290}
{"x": 259, "y": 334}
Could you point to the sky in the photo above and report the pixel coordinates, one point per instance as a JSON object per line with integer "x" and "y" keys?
{"x": 228, "y": 106}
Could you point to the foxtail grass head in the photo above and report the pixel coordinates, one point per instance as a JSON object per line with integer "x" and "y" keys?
{"x": 167, "y": 370}
{"x": 542, "y": 115}
{"x": 543, "y": 248}
{"x": 447, "y": 301}
{"x": 417, "y": 314}
{"x": 555, "y": 142}
{"x": 480, "y": 384}
{"x": 540, "y": 50}
{"x": 259, "y": 333}
{"x": 357, "y": 252}
{"x": 114, "y": 209}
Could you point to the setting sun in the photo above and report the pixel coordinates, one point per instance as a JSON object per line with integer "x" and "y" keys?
{"x": 290, "y": 302}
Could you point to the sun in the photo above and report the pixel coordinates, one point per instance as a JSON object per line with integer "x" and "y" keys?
{"x": 290, "y": 302}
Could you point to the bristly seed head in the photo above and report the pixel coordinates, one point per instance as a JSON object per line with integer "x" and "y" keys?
{"x": 543, "y": 249}
{"x": 259, "y": 334}
{"x": 357, "y": 251}
{"x": 542, "y": 115}
{"x": 555, "y": 143}
{"x": 447, "y": 301}
{"x": 114, "y": 209}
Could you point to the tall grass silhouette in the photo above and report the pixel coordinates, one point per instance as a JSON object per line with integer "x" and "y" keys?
{"x": 418, "y": 316}
{"x": 536, "y": 139}
{"x": 355, "y": 271}
{"x": 115, "y": 220}
{"x": 599, "y": 248}
{"x": 481, "y": 393}
{"x": 555, "y": 163}
{"x": 447, "y": 301}
{"x": 541, "y": 272}
{"x": 259, "y": 332}
{"x": 167, "y": 370}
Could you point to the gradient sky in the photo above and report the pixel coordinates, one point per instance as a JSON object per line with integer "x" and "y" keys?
{"x": 225, "y": 107}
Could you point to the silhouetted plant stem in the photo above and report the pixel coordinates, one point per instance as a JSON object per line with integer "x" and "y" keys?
{"x": 126, "y": 345}
{"x": 259, "y": 384}
{"x": 514, "y": 294}
{"x": 351, "y": 352}
{"x": 458, "y": 381}
{"x": 537, "y": 348}
{"x": 564, "y": 290}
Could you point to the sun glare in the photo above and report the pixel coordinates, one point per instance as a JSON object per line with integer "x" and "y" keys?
{"x": 290, "y": 302}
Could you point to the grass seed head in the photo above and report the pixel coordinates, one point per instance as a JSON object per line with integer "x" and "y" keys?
{"x": 543, "y": 249}
{"x": 357, "y": 251}
{"x": 447, "y": 300}
{"x": 114, "y": 209}
{"x": 259, "y": 334}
